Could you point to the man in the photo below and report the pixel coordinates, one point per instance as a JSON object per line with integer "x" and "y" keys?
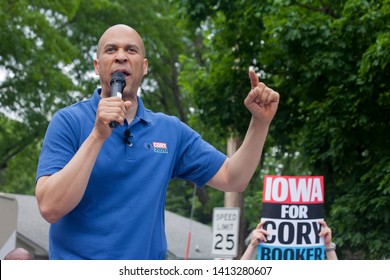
{"x": 19, "y": 254}
{"x": 103, "y": 189}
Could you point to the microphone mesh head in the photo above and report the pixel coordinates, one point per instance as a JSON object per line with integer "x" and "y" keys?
{"x": 118, "y": 77}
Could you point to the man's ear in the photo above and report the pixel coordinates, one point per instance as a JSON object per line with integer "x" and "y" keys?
{"x": 96, "y": 66}
{"x": 146, "y": 66}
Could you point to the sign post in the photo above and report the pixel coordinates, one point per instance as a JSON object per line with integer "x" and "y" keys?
{"x": 226, "y": 222}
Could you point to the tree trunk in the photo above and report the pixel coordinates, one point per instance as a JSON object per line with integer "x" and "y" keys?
{"x": 235, "y": 199}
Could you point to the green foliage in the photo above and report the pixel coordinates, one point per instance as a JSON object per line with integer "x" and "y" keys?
{"x": 33, "y": 54}
{"x": 46, "y": 57}
{"x": 19, "y": 154}
{"x": 329, "y": 60}
{"x": 337, "y": 66}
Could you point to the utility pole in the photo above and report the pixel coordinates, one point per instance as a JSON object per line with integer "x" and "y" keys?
{"x": 236, "y": 199}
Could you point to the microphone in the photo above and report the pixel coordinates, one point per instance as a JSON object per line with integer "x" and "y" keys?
{"x": 117, "y": 84}
{"x": 127, "y": 136}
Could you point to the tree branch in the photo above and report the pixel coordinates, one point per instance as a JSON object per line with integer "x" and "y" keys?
{"x": 325, "y": 9}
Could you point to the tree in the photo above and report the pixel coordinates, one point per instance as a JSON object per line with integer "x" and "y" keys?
{"x": 33, "y": 52}
{"x": 47, "y": 57}
{"x": 329, "y": 61}
{"x": 329, "y": 56}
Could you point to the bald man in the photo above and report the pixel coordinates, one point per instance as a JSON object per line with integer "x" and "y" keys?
{"x": 103, "y": 189}
{"x": 19, "y": 254}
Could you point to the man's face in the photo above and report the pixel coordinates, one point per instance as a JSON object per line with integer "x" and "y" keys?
{"x": 121, "y": 49}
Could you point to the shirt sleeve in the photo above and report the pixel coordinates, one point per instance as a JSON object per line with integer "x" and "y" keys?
{"x": 59, "y": 145}
{"x": 198, "y": 160}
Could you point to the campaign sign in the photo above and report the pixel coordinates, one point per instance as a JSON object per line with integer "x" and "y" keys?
{"x": 292, "y": 207}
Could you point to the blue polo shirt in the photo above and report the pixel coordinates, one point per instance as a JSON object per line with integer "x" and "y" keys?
{"x": 121, "y": 215}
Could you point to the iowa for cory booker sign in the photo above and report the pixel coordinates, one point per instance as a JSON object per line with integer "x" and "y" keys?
{"x": 292, "y": 207}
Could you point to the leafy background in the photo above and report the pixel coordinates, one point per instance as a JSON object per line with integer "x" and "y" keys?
{"x": 329, "y": 60}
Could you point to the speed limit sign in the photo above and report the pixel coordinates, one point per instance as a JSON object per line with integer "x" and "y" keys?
{"x": 226, "y": 223}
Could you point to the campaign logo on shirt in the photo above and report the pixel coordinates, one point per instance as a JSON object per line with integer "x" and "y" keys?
{"x": 160, "y": 147}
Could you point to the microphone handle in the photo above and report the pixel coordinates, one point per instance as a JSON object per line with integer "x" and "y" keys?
{"x": 113, "y": 124}
{"x": 116, "y": 90}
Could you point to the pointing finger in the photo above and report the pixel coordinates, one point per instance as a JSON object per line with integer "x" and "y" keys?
{"x": 253, "y": 77}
